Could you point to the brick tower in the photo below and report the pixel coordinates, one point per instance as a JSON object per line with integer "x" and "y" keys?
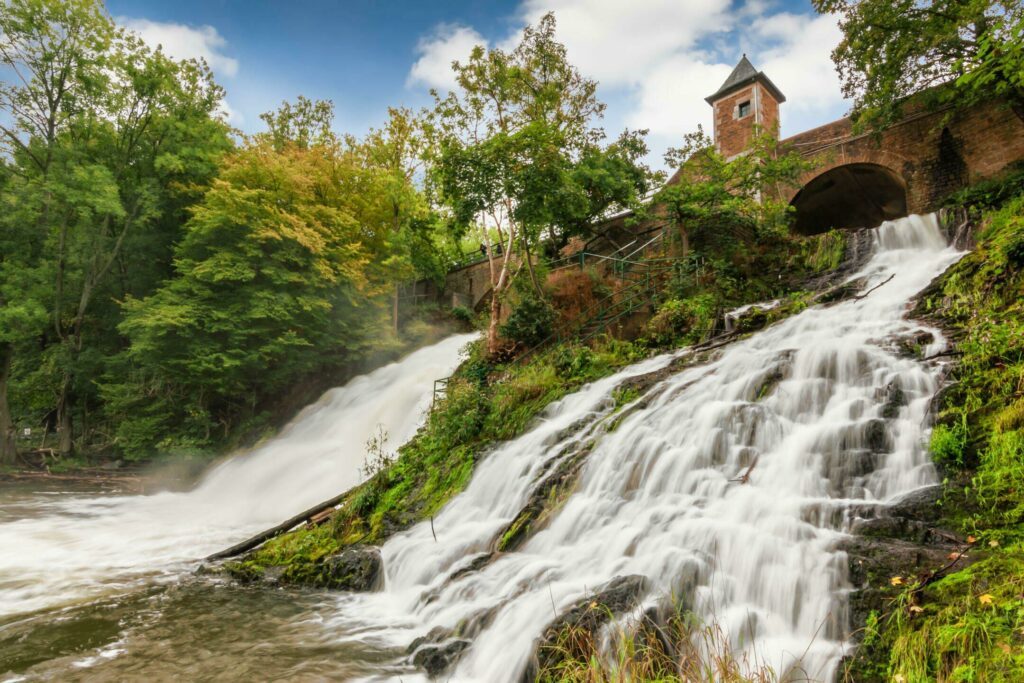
{"x": 747, "y": 99}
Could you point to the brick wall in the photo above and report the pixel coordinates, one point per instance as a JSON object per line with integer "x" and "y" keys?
{"x": 934, "y": 154}
{"x": 733, "y": 134}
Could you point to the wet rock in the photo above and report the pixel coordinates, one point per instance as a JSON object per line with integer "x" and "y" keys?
{"x": 272, "y": 575}
{"x": 894, "y": 400}
{"x": 574, "y": 633}
{"x": 903, "y": 539}
{"x": 545, "y": 499}
{"x": 433, "y": 636}
{"x": 841, "y": 292}
{"x": 353, "y": 569}
{"x": 876, "y": 437}
{"x": 437, "y": 659}
{"x": 913, "y": 346}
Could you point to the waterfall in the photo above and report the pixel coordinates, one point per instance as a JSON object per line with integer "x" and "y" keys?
{"x": 805, "y": 408}
{"x": 74, "y": 548}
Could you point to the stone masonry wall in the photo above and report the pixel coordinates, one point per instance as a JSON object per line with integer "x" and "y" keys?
{"x": 733, "y": 135}
{"x": 934, "y": 153}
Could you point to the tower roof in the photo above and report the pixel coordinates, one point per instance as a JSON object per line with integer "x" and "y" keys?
{"x": 743, "y": 75}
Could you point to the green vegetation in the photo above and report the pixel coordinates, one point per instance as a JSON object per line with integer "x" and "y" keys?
{"x": 517, "y": 157}
{"x": 696, "y": 652}
{"x": 967, "y": 626}
{"x": 892, "y": 49}
{"x": 163, "y": 280}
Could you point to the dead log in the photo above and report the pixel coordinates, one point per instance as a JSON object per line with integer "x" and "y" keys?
{"x": 313, "y": 514}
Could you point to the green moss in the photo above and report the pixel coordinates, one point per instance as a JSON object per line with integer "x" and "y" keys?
{"x": 969, "y": 626}
{"x": 300, "y": 554}
{"x": 824, "y": 252}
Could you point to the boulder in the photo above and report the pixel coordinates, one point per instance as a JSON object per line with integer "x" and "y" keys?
{"x": 353, "y": 569}
{"x": 574, "y": 633}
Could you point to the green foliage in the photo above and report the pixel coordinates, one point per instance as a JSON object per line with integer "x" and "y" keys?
{"x": 992, "y": 192}
{"x": 530, "y": 322}
{"x": 683, "y": 320}
{"x": 948, "y": 443}
{"x": 967, "y": 626}
{"x": 716, "y": 198}
{"x": 516, "y": 154}
{"x": 108, "y": 143}
{"x": 462, "y": 314}
{"x": 891, "y": 49}
{"x": 160, "y": 282}
{"x": 825, "y": 252}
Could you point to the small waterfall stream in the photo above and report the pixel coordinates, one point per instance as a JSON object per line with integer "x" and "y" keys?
{"x": 72, "y": 548}
{"x": 805, "y": 407}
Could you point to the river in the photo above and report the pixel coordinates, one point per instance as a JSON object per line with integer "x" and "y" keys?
{"x": 727, "y": 487}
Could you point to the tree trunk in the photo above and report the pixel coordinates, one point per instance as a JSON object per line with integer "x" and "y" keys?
{"x": 493, "y": 345}
{"x": 64, "y": 424}
{"x": 394, "y": 311}
{"x": 8, "y": 445}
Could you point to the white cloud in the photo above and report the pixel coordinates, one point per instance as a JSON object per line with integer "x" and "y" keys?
{"x": 619, "y": 42}
{"x": 798, "y": 58}
{"x": 656, "y": 60}
{"x": 186, "y": 42}
{"x": 448, "y": 43}
{"x": 230, "y": 114}
{"x": 669, "y": 101}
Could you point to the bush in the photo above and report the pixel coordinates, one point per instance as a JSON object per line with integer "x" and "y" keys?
{"x": 462, "y": 314}
{"x": 948, "y": 443}
{"x": 531, "y": 321}
{"x": 991, "y": 193}
{"x": 682, "y": 320}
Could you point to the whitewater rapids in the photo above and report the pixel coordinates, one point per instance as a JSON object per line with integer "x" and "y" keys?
{"x": 800, "y": 407}
{"x": 69, "y": 549}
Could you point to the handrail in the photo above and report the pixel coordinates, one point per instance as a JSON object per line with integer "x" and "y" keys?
{"x": 626, "y": 246}
{"x": 660, "y": 235}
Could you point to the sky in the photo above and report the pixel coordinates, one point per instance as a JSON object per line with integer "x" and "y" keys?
{"x": 655, "y": 60}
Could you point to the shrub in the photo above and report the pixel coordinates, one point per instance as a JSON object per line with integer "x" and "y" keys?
{"x": 530, "y": 322}
{"x": 462, "y": 314}
{"x": 682, "y": 320}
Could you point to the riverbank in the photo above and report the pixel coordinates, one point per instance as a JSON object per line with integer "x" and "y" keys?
{"x": 961, "y": 620}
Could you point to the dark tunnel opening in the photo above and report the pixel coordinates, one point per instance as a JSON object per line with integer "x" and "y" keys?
{"x": 850, "y": 196}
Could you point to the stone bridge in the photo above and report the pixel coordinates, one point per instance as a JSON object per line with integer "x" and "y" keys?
{"x": 910, "y": 167}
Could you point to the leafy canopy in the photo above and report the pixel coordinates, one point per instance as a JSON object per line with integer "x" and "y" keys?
{"x": 892, "y": 49}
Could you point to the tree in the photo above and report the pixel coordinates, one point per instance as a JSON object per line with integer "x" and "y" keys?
{"x": 283, "y": 271}
{"x": 516, "y": 152}
{"x": 892, "y": 49}
{"x": 740, "y": 197}
{"x": 107, "y": 139}
{"x": 395, "y": 154}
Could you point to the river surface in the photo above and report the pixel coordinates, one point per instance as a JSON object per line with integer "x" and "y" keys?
{"x": 727, "y": 486}
{"x": 97, "y": 584}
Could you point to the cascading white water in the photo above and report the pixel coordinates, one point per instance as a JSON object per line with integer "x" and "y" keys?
{"x": 800, "y": 407}
{"x": 79, "y": 547}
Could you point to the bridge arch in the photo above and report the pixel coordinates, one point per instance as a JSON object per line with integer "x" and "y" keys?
{"x": 851, "y": 195}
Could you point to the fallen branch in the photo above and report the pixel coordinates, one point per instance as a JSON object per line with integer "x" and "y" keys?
{"x": 942, "y": 354}
{"x": 745, "y": 477}
{"x": 865, "y": 294}
{"x": 313, "y": 513}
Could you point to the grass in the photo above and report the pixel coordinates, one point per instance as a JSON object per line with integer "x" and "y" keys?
{"x": 969, "y": 625}
{"x": 685, "y": 649}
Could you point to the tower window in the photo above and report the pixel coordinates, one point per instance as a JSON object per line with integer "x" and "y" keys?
{"x": 743, "y": 109}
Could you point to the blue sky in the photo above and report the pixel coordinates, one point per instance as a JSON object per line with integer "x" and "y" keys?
{"x": 655, "y": 59}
